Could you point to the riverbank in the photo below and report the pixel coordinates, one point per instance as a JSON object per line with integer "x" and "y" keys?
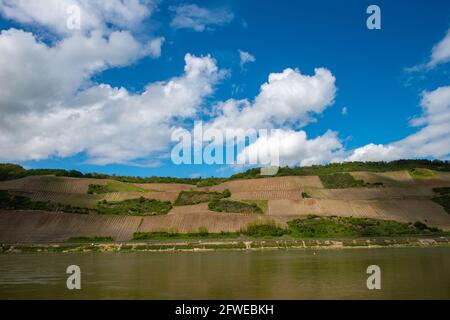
{"x": 213, "y": 245}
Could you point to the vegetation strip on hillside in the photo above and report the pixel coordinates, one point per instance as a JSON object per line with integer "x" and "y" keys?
{"x": 201, "y": 234}
{"x": 344, "y": 180}
{"x": 196, "y": 197}
{"x": 311, "y": 227}
{"x": 332, "y": 227}
{"x": 13, "y": 171}
{"x": 233, "y": 206}
{"x": 134, "y": 207}
{"x": 380, "y": 166}
{"x": 10, "y": 201}
{"x": 115, "y": 186}
{"x": 420, "y": 173}
{"x": 90, "y": 239}
{"x": 444, "y": 198}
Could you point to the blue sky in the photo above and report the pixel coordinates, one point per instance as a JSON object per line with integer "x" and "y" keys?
{"x": 372, "y": 80}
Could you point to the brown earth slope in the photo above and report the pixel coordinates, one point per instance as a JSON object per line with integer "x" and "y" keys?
{"x": 401, "y": 198}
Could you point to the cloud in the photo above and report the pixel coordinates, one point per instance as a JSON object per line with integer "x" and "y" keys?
{"x": 191, "y": 16}
{"x": 105, "y": 16}
{"x": 344, "y": 111}
{"x": 46, "y": 75}
{"x": 46, "y": 112}
{"x": 440, "y": 54}
{"x": 375, "y": 152}
{"x": 245, "y": 58}
{"x": 295, "y": 148}
{"x": 99, "y": 19}
{"x": 153, "y": 48}
{"x": 432, "y": 140}
{"x": 287, "y": 98}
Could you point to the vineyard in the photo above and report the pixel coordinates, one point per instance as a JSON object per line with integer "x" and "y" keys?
{"x": 403, "y": 196}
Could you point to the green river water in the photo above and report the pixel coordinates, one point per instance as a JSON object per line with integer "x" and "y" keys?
{"x": 406, "y": 273}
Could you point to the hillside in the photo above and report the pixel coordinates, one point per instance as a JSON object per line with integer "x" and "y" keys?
{"x": 40, "y": 207}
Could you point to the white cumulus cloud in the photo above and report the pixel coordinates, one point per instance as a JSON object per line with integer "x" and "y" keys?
{"x": 289, "y": 97}
{"x": 432, "y": 139}
{"x": 294, "y": 148}
{"x": 440, "y": 54}
{"x": 95, "y": 14}
{"x": 441, "y": 51}
{"x": 45, "y": 76}
{"x": 46, "y": 112}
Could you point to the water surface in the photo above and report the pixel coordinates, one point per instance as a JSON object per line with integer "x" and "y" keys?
{"x": 407, "y": 273}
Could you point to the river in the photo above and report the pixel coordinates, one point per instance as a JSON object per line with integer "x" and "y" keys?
{"x": 406, "y": 273}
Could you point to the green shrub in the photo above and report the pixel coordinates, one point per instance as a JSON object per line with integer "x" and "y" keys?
{"x": 420, "y": 173}
{"x": 97, "y": 189}
{"x": 90, "y": 239}
{"x": 154, "y": 235}
{"x": 11, "y": 171}
{"x": 208, "y": 182}
{"x": 165, "y": 235}
{"x": 340, "y": 180}
{"x": 332, "y": 227}
{"x": 420, "y": 226}
{"x": 305, "y": 195}
{"x": 233, "y": 206}
{"x": 444, "y": 201}
{"x": 442, "y": 190}
{"x": 115, "y": 186}
{"x": 226, "y": 193}
{"x": 134, "y": 207}
{"x": 203, "y": 231}
{"x": 262, "y": 204}
{"x": 264, "y": 229}
{"x": 196, "y": 197}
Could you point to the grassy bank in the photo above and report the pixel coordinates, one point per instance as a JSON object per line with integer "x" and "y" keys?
{"x": 173, "y": 235}
{"x": 334, "y": 227}
{"x": 247, "y": 244}
{"x": 90, "y": 239}
{"x": 311, "y": 227}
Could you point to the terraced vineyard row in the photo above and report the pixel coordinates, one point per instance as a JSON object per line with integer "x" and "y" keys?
{"x": 50, "y": 183}
{"x": 35, "y": 227}
{"x": 400, "y": 210}
{"x": 267, "y": 195}
{"x": 269, "y": 184}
